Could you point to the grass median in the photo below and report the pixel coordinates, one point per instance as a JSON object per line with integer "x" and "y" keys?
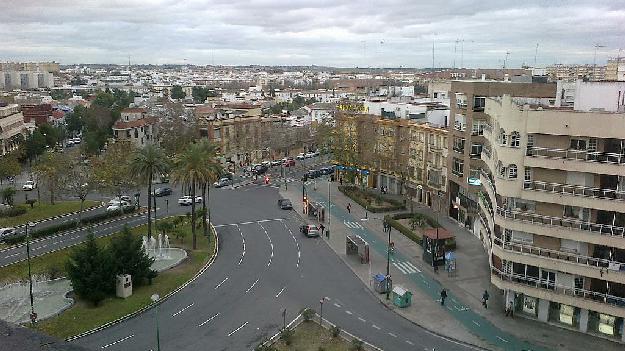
{"x": 83, "y": 316}
{"x": 309, "y": 336}
{"x": 43, "y": 210}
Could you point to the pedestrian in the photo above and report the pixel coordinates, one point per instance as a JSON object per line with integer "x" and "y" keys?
{"x": 349, "y": 208}
{"x": 341, "y": 180}
{"x": 321, "y": 228}
{"x": 485, "y": 297}
{"x": 443, "y": 297}
{"x": 510, "y": 310}
{"x": 384, "y": 225}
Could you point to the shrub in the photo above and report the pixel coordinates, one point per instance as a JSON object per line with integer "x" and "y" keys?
{"x": 13, "y": 211}
{"x": 336, "y": 331}
{"x": 31, "y": 202}
{"x": 364, "y": 198}
{"x": 357, "y": 345}
{"x": 308, "y": 314}
{"x": 286, "y": 335}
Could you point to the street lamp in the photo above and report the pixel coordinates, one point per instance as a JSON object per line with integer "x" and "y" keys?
{"x": 33, "y": 315}
{"x": 323, "y": 299}
{"x": 155, "y": 298}
{"x": 388, "y": 266}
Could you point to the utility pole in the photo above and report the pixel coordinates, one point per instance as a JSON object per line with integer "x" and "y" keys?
{"x": 33, "y": 315}
{"x": 505, "y": 61}
{"x": 388, "y": 265}
{"x": 155, "y": 299}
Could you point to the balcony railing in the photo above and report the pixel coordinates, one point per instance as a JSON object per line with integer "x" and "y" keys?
{"x": 460, "y": 126}
{"x": 461, "y": 104}
{"x": 572, "y": 223}
{"x": 458, "y": 149}
{"x": 560, "y": 255}
{"x": 577, "y": 155}
{"x": 457, "y": 173}
{"x": 575, "y": 190}
{"x": 560, "y": 289}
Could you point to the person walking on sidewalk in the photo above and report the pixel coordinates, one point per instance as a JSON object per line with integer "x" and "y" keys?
{"x": 321, "y": 228}
{"x": 443, "y": 297}
{"x": 485, "y": 297}
{"x": 510, "y": 310}
{"x": 349, "y": 208}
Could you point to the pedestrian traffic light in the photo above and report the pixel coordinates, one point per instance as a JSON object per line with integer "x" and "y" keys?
{"x": 266, "y": 180}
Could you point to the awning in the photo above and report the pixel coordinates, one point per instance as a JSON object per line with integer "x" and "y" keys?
{"x": 442, "y": 233}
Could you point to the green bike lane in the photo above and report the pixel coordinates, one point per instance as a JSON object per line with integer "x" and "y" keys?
{"x": 472, "y": 321}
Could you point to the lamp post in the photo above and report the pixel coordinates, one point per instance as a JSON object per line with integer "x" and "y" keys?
{"x": 155, "y": 298}
{"x": 33, "y": 315}
{"x": 284, "y": 319}
{"x": 388, "y": 266}
{"x": 321, "y": 301}
{"x": 329, "y": 209}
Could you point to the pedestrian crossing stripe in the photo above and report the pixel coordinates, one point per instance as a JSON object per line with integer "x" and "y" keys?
{"x": 406, "y": 267}
{"x": 353, "y": 225}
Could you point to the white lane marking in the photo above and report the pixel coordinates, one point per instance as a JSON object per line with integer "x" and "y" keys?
{"x": 299, "y": 254}
{"x": 264, "y": 220}
{"x": 476, "y": 323}
{"x": 246, "y": 223}
{"x": 502, "y": 339}
{"x": 280, "y": 292}
{"x": 348, "y": 312}
{"x": 362, "y": 319}
{"x": 409, "y": 342}
{"x": 406, "y": 267}
{"x": 182, "y": 310}
{"x": 400, "y": 268}
{"x": 118, "y": 341}
{"x": 208, "y": 320}
{"x": 239, "y": 328}
{"x": 353, "y": 225}
{"x": 270, "y": 244}
{"x": 251, "y": 287}
{"x": 411, "y": 265}
{"x": 391, "y": 334}
{"x": 337, "y": 305}
{"x": 223, "y": 281}
{"x": 12, "y": 255}
{"x": 375, "y": 327}
{"x": 243, "y": 239}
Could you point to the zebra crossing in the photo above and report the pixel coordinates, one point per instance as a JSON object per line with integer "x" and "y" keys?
{"x": 353, "y": 225}
{"x": 406, "y": 267}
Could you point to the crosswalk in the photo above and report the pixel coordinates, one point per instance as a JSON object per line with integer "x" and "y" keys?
{"x": 406, "y": 267}
{"x": 353, "y": 225}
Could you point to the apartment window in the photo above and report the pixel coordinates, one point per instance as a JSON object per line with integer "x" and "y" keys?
{"x": 578, "y": 144}
{"x": 523, "y": 237}
{"x": 458, "y": 167}
{"x": 459, "y": 145}
{"x": 577, "y": 212}
{"x": 476, "y": 149}
{"x": 515, "y": 139}
{"x": 501, "y": 169}
{"x": 548, "y": 279}
{"x": 527, "y": 178}
{"x": 503, "y": 138}
{"x": 512, "y": 172}
{"x": 478, "y": 128}
{"x": 479, "y": 103}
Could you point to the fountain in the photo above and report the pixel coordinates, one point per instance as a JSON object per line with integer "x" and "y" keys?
{"x": 49, "y": 299}
{"x": 164, "y": 255}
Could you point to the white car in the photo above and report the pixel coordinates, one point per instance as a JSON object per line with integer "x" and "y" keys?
{"x": 117, "y": 206}
{"x": 117, "y": 200}
{"x": 309, "y": 155}
{"x": 7, "y": 232}
{"x": 76, "y": 140}
{"x": 187, "y": 200}
{"x": 266, "y": 164}
{"x": 301, "y": 156}
{"x": 29, "y": 185}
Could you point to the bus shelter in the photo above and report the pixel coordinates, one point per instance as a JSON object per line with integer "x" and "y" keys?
{"x": 355, "y": 245}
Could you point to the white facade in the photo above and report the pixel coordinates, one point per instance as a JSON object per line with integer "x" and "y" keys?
{"x": 600, "y": 96}
{"x": 11, "y": 126}
{"x": 24, "y": 80}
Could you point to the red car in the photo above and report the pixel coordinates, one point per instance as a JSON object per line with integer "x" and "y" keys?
{"x": 288, "y": 162}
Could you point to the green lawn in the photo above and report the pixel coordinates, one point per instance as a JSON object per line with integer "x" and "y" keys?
{"x": 44, "y": 210}
{"x": 81, "y": 317}
{"x": 309, "y": 336}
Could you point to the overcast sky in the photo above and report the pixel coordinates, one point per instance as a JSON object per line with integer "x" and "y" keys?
{"x": 322, "y": 32}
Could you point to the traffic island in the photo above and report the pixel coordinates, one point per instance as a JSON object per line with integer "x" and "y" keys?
{"x": 373, "y": 202}
{"x": 42, "y": 211}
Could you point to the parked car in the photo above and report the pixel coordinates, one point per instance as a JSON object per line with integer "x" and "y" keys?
{"x": 187, "y": 200}
{"x": 301, "y": 156}
{"x": 165, "y": 191}
{"x": 288, "y": 162}
{"x": 313, "y": 173}
{"x": 260, "y": 169}
{"x": 222, "y": 182}
{"x": 285, "y": 204}
{"x": 276, "y": 162}
{"x": 327, "y": 170}
{"x": 309, "y": 230}
{"x": 76, "y": 141}
{"x": 7, "y": 232}
{"x": 309, "y": 155}
{"x": 316, "y": 153}
{"x": 119, "y": 205}
{"x": 266, "y": 164}
{"x": 118, "y": 199}
{"x": 29, "y": 185}
{"x": 69, "y": 143}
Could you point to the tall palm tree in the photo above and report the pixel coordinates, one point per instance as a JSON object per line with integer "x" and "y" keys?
{"x": 212, "y": 172}
{"x": 189, "y": 170}
{"x": 145, "y": 163}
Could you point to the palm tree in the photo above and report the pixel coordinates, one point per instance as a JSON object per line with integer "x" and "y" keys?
{"x": 212, "y": 172}
{"x": 189, "y": 170}
{"x": 145, "y": 163}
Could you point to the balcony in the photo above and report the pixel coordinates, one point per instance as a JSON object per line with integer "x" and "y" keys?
{"x": 460, "y": 126}
{"x": 567, "y": 262}
{"x": 457, "y": 173}
{"x": 563, "y": 228}
{"x": 461, "y": 105}
{"x": 459, "y": 150}
{"x": 587, "y": 299}
{"x": 434, "y": 148}
{"x": 487, "y": 183}
{"x": 575, "y": 195}
{"x": 577, "y": 160}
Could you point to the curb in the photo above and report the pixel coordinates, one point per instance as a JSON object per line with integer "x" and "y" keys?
{"x": 48, "y": 219}
{"x": 153, "y": 304}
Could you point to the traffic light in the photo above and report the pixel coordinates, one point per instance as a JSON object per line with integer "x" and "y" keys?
{"x": 266, "y": 180}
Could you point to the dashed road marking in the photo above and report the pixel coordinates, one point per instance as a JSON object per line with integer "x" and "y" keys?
{"x": 409, "y": 342}
{"x": 502, "y": 339}
{"x": 239, "y": 328}
{"x": 118, "y": 341}
{"x": 299, "y": 253}
{"x": 348, "y": 312}
{"x": 270, "y": 243}
{"x": 182, "y": 310}
{"x": 476, "y": 323}
{"x": 362, "y": 319}
{"x": 391, "y": 334}
{"x": 223, "y": 281}
{"x": 251, "y": 287}
{"x": 280, "y": 292}
{"x": 375, "y": 327}
{"x": 208, "y": 320}
{"x": 337, "y": 305}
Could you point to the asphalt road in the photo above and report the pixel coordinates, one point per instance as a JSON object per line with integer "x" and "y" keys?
{"x": 264, "y": 266}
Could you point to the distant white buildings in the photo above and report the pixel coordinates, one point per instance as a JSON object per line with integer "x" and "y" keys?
{"x": 24, "y": 80}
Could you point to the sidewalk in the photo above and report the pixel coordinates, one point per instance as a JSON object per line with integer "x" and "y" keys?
{"x": 463, "y": 317}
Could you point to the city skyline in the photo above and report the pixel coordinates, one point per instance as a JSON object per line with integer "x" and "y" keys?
{"x": 328, "y": 33}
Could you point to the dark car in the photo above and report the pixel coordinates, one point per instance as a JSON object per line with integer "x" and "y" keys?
{"x": 309, "y": 230}
{"x": 166, "y": 191}
{"x": 260, "y": 169}
{"x": 327, "y": 170}
{"x": 314, "y": 173}
{"x": 285, "y": 204}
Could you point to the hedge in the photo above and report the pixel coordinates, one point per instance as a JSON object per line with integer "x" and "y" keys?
{"x": 450, "y": 244}
{"x": 13, "y": 211}
{"x": 359, "y": 196}
{"x": 64, "y": 226}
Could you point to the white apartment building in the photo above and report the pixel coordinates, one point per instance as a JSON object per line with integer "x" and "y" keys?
{"x": 552, "y": 207}
{"x": 12, "y": 127}
{"x": 25, "y": 80}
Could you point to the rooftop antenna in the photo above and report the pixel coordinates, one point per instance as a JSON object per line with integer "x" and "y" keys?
{"x": 455, "y": 51}
{"x": 505, "y": 61}
{"x": 594, "y": 61}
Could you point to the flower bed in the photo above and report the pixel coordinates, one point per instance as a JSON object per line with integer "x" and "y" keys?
{"x": 373, "y": 202}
